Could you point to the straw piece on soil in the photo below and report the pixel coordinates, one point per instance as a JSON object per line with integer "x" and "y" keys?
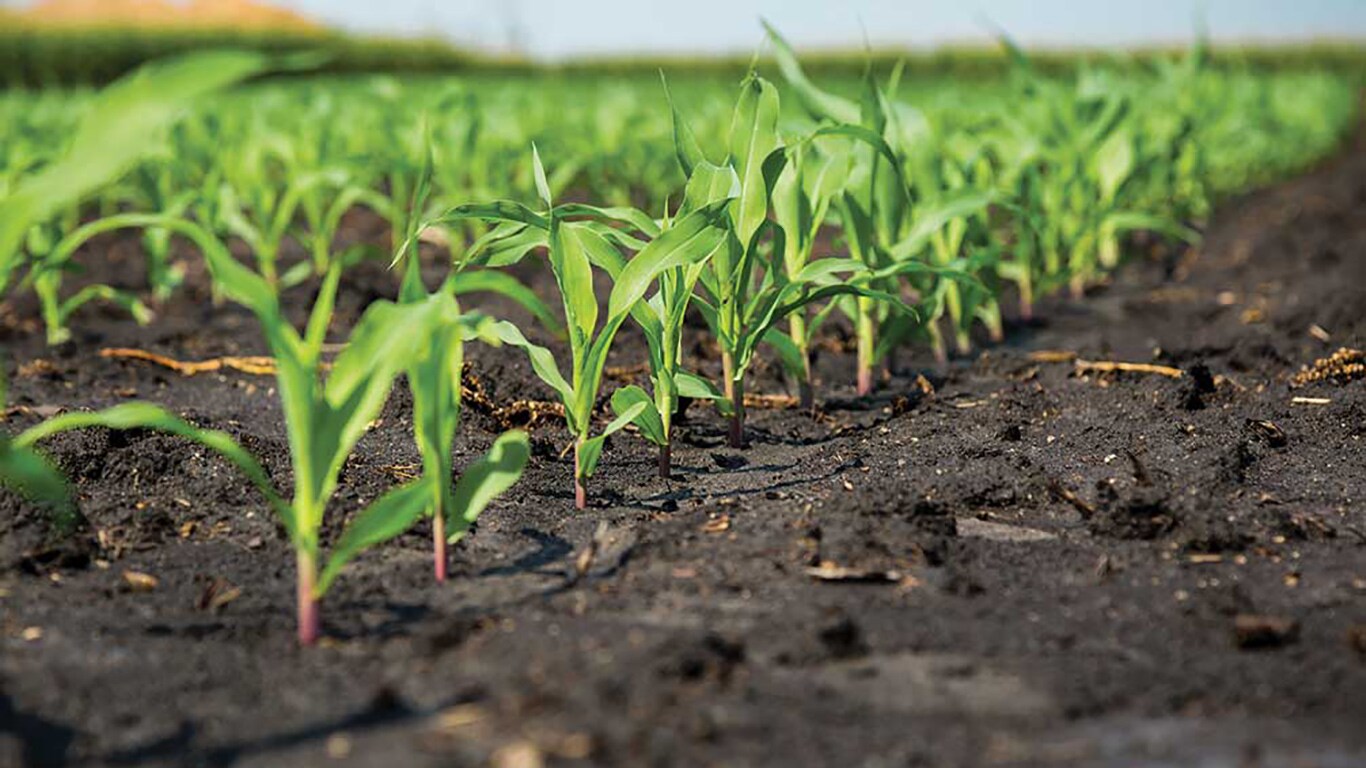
{"x": 1105, "y": 366}
{"x": 257, "y": 366}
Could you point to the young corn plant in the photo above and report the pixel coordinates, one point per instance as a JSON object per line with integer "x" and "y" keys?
{"x": 434, "y": 380}
{"x": 261, "y": 211}
{"x": 661, "y": 319}
{"x": 955, "y": 213}
{"x": 326, "y": 416}
{"x": 1086, "y": 162}
{"x": 886, "y": 224}
{"x": 435, "y": 383}
{"x": 49, "y": 264}
{"x": 746, "y": 290}
{"x": 161, "y": 187}
{"x": 801, "y": 204}
{"x": 577, "y": 240}
{"x": 606, "y": 232}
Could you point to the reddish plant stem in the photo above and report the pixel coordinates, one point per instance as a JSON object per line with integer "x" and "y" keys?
{"x": 580, "y": 491}
{"x": 307, "y": 599}
{"x": 865, "y": 381}
{"x": 439, "y": 545}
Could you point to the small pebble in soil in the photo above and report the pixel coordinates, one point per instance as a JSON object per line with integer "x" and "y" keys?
{"x": 729, "y": 461}
{"x": 1356, "y": 639}
{"x": 519, "y": 754}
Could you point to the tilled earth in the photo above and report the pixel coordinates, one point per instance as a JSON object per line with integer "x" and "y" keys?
{"x": 1017, "y": 561}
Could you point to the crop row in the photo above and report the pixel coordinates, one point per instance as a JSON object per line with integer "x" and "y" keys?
{"x": 40, "y": 56}
{"x": 912, "y": 224}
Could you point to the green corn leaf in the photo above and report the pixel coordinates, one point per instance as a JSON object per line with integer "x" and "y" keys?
{"x": 29, "y": 473}
{"x": 574, "y": 272}
{"x": 953, "y": 272}
{"x": 148, "y": 416}
{"x": 933, "y": 217}
{"x": 788, "y": 352}
{"x": 492, "y": 474}
{"x": 631, "y": 217}
{"x": 1131, "y": 221}
{"x": 1114, "y": 162}
{"x": 759, "y": 330}
{"x": 694, "y": 386}
{"x": 542, "y": 186}
{"x": 116, "y": 130}
{"x": 821, "y": 270}
{"x": 506, "y": 244}
{"x": 500, "y": 211}
{"x": 708, "y": 184}
{"x": 753, "y": 138}
{"x": 320, "y": 317}
{"x": 648, "y": 419}
{"x": 600, "y": 252}
{"x": 542, "y": 362}
{"x": 504, "y": 284}
{"x": 819, "y": 103}
{"x": 388, "y": 516}
{"x": 590, "y": 451}
{"x": 690, "y": 239}
{"x": 686, "y": 148}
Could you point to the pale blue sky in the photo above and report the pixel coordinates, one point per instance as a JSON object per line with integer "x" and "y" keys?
{"x": 558, "y": 28}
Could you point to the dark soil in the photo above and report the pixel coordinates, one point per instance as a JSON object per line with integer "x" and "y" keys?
{"x": 1029, "y": 566}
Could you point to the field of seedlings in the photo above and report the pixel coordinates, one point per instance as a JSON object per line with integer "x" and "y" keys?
{"x": 675, "y": 418}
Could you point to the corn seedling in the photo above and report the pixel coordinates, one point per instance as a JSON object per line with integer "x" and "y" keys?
{"x": 886, "y": 225}
{"x": 435, "y": 383}
{"x": 325, "y": 417}
{"x": 575, "y": 247}
{"x": 1085, "y": 159}
{"x": 661, "y": 319}
{"x": 801, "y": 204}
{"x": 747, "y": 290}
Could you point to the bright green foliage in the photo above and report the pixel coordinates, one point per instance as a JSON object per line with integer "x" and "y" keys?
{"x": 435, "y": 381}
{"x": 578, "y": 240}
{"x": 661, "y": 319}
{"x": 1085, "y": 152}
{"x": 747, "y": 289}
{"x": 109, "y": 139}
{"x": 815, "y": 173}
{"x": 891, "y": 211}
{"x": 326, "y": 416}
